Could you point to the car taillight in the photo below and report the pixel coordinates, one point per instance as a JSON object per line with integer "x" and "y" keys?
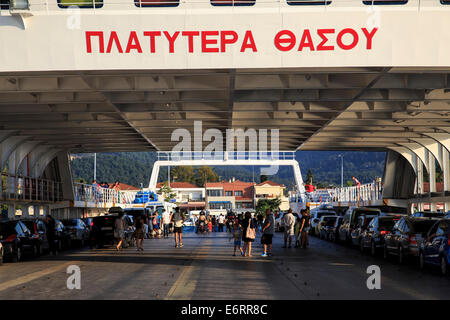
{"x": 11, "y": 238}
{"x": 412, "y": 239}
{"x": 384, "y": 232}
{"x": 92, "y": 223}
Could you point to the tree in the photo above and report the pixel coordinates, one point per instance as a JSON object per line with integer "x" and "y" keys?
{"x": 264, "y": 204}
{"x": 205, "y": 174}
{"x": 167, "y": 192}
{"x": 183, "y": 174}
{"x": 263, "y": 178}
{"x": 309, "y": 176}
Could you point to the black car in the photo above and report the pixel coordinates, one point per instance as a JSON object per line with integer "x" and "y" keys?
{"x": 406, "y": 237}
{"x": 435, "y": 250}
{"x": 39, "y": 232}
{"x": 361, "y": 226}
{"x": 102, "y": 231}
{"x": 326, "y": 222}
{"x": 429, "y": 214}
{"x": 334, "y": 229}
{"x": 77, "y": 231}
{"x": 17, "y": 240}
{"x": 351, "y": 219}
{"x": 379, "y": 227}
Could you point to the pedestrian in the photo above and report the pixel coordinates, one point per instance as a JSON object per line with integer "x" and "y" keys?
{"x": 51, "y": 233}
{"x": 166, "y": 222}
{"x": 209, "y": 225}
{"x": 139, "y": 233}
{"x": 289, "y": 224}
{"x": 178, "y": 219}
{"x": 268, "y": 231}
{"x": 260, "y": 220}
{"x": 119, "y": 231}
{"x": 304, "y": 228}
{"x": 214, "y": 223}
{"x": 221, "y": 220}
{"x": 237, "y": 234}
{"x": 248, "y": 233}
{"x": 230, "y": 219}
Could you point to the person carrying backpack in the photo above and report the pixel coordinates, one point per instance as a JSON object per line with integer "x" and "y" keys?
{"x": 178, "y": 219}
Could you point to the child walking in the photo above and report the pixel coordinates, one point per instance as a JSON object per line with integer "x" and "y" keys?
{"x": 236, "y": 235}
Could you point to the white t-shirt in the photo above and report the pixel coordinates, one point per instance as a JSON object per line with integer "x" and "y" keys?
{"x": 166, "y": 217}
{"x": 289, "y": 221}
{"x": 221, "y": 219}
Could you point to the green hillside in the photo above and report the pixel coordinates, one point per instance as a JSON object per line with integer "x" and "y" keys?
{"x": 135, "y": 168}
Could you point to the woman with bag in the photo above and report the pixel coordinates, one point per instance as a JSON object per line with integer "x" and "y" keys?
{"x": 248, "y": 234}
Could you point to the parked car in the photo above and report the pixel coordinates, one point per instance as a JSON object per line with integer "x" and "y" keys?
{"x": 63, "y": 236}
{"x": 435, "y": 250}
{"x": 373, "y": 235}
{"x": 77, "y": 231}
{"x": 17, "y": 240}
{"x": 39, "y": 232}
{"x": 351, "y": 219}
{"x": 315, "y": 219}
{"x": 88, "y": 222}
{"x": 406, "y": 237}
{"x": 325, "y": 223}
{"x": 429, "y": 214}
{"x": 334, "y": 229}
{"x": 102, "y": 232}
{"x": 361, "y": 226}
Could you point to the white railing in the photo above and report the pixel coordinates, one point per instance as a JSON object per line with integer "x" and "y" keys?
{"x": 21, "y": 188}
{"x": 366, "y": 192}
{"x": 104, "y": 196}
{"x": 227, "y": 155}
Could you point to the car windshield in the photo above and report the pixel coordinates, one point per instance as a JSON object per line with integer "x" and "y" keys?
{"x": 422, "y": 226}
{"x": 320, "y": 214}
{"x": 387, "y": 224}
{"x": 366, "y": 212}
{"x": 104, "y": 221}
{"x": 70, "y": 222}
{"x": 135, "y": 213}
{"x": 29, "y": 224}
{"x": 429, "y": 214}
{"x": 7, "y": 229}
{"x": 330, "y": 221}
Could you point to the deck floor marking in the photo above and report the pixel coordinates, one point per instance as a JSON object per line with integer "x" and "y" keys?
{"x": 185, "y": 285}
{"x": 33, "y": 276}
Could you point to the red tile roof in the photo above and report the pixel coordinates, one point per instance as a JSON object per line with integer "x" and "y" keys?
{"x": 270, "y": 183}
{"x": 124, "y": 187}
{"x": 177, "y": 185}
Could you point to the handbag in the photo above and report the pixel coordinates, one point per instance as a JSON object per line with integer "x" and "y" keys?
{"x": 250, "y": 233}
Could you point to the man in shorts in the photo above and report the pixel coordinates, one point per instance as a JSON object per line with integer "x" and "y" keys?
{"x": 268, "y": 231}
{"x": 289, "y": 224}
{"x": 178, "y": 219}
